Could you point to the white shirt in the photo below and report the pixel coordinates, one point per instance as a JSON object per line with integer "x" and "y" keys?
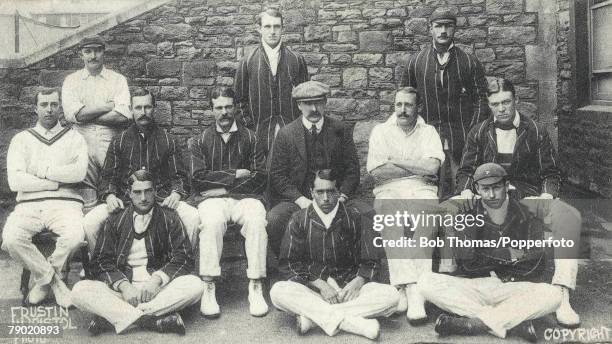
{"x": 443, "y": 58}
{"x": 506, "y": 139}
{"x": 141, "y": 222}
{"x": 226, "y": 136}
{"x": 308, "y": 124}
{"x": 326, "y": 218}
{"x": 273, "y": 56}
{"x": 48, "y": 133}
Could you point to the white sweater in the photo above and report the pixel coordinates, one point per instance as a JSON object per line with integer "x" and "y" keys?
{"x": 46, "y": 164}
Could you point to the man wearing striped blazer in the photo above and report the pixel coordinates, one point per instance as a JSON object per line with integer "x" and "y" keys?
{"x": 525, "y": 150}
{"x": 264, "y": 79}
{"x": 143, "y": 264}
{"x": 330, "y": 267}
{"x": 452, "y": 88}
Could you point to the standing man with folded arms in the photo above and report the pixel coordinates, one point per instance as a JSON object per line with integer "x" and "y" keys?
{"x": 264, "y": 80}
{"x": 96, "y": 100}
{"x": 452, "y": 88}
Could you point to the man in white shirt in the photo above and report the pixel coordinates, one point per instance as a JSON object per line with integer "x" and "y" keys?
{"x": 43, "y": 166}
{"x": 96, "y": 100}
{"x": 404, "y": 157}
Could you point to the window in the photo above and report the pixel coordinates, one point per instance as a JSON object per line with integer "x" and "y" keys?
{"x": 600, "y": 50}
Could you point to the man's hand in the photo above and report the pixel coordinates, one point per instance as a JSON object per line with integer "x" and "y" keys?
{"x": 213, "y": 192}
{"x": 129, "y": 293}
{"x": 351, "y": 290}
{"x": 172, "y": 201}
{"x": 343, "y": 198}
{"x": 110, "y": 105}
{"x": 303, "y": 202}
{"x": 113, "y": 203}
{"x": 41, "y": 169}
{"x": 328, "y": 293}
{"x": 516, "y": 254}
{"x": 150, "y": 289}
{"x": 242, "y": 173}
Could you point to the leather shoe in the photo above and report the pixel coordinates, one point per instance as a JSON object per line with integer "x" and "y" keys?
{"x": 99, "y": 325}
{"x": 172, "y": 323}
{"x": 447, "y": 325}
{"x": 526, "y": 331}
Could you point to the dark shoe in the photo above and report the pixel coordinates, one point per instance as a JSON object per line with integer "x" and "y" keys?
{"x": 447, "y": 325}
{"x": 99, "y": 325}
{"x": 172, "y": 323}
{"x": 526, "y": 331}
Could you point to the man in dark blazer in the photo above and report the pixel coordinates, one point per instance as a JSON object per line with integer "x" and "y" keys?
{"x": 143, "y": 263}
{"x": 310, "y": 143}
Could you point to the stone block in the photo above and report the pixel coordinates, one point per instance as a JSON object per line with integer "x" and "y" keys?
{"x": 513, "y": 71}
{"x": 504, "y": 6}
{"x": 347, "y": 37}
{"x": 219, "y": 53}
{"x": 53, "y": 78}
{"x": 198, "y": 93}
{"x": 227, "y": 67}
{"x": 187, "y": 53}
{"x": 169, "y": 81}
{"x": 477, "y": 21}
{"x": 163, "y": 112}
{"x": 377, "y": 41}
{"x": 367, "y": 59}
{"x": 349, "y": 14}
{"x": 417, "y": 26}
{"x": 317, "y": 33}
{"x": 509, "y": 53}
{"x": 315, "y": 58}
{"x": 339, "y": 47}
{"x": 199, "y": 73}
{"x": 365, "y": 108}
{"x": 485, "y": 55}
{"x": 341, "y": 105}
{"x": 380, "y": 74}
{"x": 163, "y": 68}
{"x": 330, "y": 79}
{"x": 165, "y": 49}
{"x": 173, "y": 93}
{"x": 470, "y": 35}
{"x": 374, "y": 12}
{"x": 396, "y": 12}
{"x": 355, "y": 78}
{"x": 512, "y": 35}
{"x": 340, "y": 58}
{"x": 169, "y": 32}
{"x": 140, "y": 49}
{"x": 225, "y": 81}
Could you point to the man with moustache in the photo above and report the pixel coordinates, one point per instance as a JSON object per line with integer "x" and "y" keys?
{"x": 96, "y": 100}
{"x": 44, "y": 164}
{"x": 146, "y": 146}
{"x": 525, "y": 150}
{"x": 227, "y": 170}
{"x": 143, "y": 264}
{"x": 264, "y": 79}
{"x": 404, "y": 156}
{"x": 332, "y": 286}
{"x": 310, "y": 143}
{"x": 498, "y": 289}
{"x": 452, "y": 86}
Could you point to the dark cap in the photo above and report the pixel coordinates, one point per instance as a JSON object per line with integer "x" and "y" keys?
{"x": 444, "y": 14}
{"x": 310, "y": 90}
{"x": 93, "y": 41}
{"x": 489, "y": 173}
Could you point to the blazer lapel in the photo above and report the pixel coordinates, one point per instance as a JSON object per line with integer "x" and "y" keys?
{"x": 298, "y": 134}
{"x": 521, "y": 136}
{"x": 492, "y": 138}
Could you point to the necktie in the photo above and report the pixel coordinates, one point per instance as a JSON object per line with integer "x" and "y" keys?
{"x": 313, "y": 130}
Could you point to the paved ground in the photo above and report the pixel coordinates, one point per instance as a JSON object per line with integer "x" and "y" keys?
{"x": 592, "y": 299}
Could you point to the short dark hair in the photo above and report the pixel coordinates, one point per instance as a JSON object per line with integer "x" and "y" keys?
{"x": 495, "y": 85}
{"x": 45, "y": 91}
{"x": 141, "y": 175}
{"x": 222, "y": 91}
{"x": 141, "y": 92}
{"x": 272, "y": 12}
{"x": 325, "y": 174}
{"x": 408, "y": 90}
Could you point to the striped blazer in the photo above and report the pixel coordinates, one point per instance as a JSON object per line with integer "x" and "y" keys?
{"x": 265, "y": 99}
{"x": 454, "y": 104}
{"x": 167, "y": 243}
{"x": 533, "y": 169}
{"x": 309, "y": 251}
{"x": 213, "y": 163}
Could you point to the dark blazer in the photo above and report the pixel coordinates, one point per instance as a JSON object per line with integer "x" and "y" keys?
{"x": 533, "y": 169}
{"x": 288, "y": 162}
{"x": 168, "y": 247}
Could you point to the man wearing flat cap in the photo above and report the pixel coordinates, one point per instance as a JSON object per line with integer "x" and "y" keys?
{"x": 96, "y": 100}
{"x": 452, "y": 89}
{"x": 310, "y": 143}
{"x": 498, "y": 288}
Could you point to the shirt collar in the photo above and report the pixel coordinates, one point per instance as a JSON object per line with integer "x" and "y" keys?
{"x": 147, "y": 215}
{"x": 451, "y": 46}
{"x": 50, "y": 132}
{"x": 233, "y": 128}
{"x": 516, "y": 121}
{"x": 326, "y": 218}
{"x": 308, "y": 124}
{"x": 103, "y": 73}
{"x": 269, "y": 50}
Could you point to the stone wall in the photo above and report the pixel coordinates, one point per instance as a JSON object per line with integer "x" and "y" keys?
{"x": 182, "y": 49}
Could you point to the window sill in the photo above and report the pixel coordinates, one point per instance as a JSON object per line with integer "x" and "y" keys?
{"x": 607, "y": 109}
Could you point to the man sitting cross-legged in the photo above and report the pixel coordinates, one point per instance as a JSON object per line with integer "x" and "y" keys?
{"x": 330, "y": 264}
{"x": 143, "y": 263}
{"x": 227, "y": 168}
{"x": 497, "y": 292}
{"x": 44, "y": 165}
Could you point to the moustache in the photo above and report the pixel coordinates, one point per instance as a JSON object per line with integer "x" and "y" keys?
{"x": 314, "y": 114}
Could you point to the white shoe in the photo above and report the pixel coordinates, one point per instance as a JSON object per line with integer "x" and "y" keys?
{"x": 566, "y": 315}
{"x": 61, "y": 292}
{"x": 416, "y": 306}
{"x": 37, "y": 294}
{"x": 447, "y": 265}
{"x": 303, "y": 324}
{"x": 257, "y": 304}
{"x": 369, "y": 328}
{"x": 402, "y": 304}
{"x": 208, "y": 305}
